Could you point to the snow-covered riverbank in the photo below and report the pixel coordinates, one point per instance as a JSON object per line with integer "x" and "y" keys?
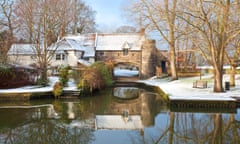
{"x": 35, "y": 89}
{"x": 182, "y": 89}
{"x": 176, "y": 90}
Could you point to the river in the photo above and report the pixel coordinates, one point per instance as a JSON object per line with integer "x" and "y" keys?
{"x": 115, "y": 115}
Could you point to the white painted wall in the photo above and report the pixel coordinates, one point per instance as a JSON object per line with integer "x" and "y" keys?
{"x": 71, "y": 58}
{"x": 22, "y": 59}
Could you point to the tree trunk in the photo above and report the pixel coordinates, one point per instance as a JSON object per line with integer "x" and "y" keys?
{"x": 232, "y": 76}
{"x": 43, "y": 75}
{"x": 173, "y": 63}
{"x": 171, "y": 16}
{"x": 218, "y": 80}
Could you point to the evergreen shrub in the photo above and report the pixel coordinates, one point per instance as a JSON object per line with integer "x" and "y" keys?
{"x": 64, "y": 75}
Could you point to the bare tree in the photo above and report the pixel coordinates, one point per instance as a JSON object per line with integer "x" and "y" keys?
{"x": 25, "y": 11}
{"x": 44, "y": 21}
{"x": 83, "y": 17}
{"x": 6, "y": 28}
{"x": 232, "y": 56}
{"x": 126, "y": 29}
{"x": 73, "y": 17}
{"x": 211, "y": 21}
{"x": 160, "y": 16}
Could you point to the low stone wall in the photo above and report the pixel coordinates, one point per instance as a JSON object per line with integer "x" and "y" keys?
{"x": 14, "y": 96}
{"x": 24, "y": 96}
{"x": 203, "y": 105}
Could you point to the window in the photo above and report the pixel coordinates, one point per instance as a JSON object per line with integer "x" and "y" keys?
{"x": 63, "y": 56}
{"x": 101, "y": 53}
{"x": 125, "y": 51}
{"x": 60, "y": 57}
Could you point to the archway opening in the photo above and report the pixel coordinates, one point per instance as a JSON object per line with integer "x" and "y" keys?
{"x": 125, "y": 70}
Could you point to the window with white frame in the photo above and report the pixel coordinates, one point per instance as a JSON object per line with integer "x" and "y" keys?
{"x": 60, "y": 56}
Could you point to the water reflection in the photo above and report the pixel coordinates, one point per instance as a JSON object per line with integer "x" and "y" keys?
{"x": 74, "y": 121}
{"x": 196, "y": 128}
{"x": 126, "y": 92}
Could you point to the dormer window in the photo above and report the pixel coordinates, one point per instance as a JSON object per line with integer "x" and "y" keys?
{"x": 126, "y": 47}
{"x": 125, "y": 51}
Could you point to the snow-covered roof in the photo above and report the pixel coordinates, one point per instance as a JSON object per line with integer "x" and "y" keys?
{"x": 24, "y": 49}
{"x": 86, "y": 42}
{"x": 83, "y": 40}
{"x": 118, "y": 122}
{"x": 65, "y": 45}
{"x": 73, "y": 43}
{"x": 89, "y": 51}
{"x": 119, "y": 41}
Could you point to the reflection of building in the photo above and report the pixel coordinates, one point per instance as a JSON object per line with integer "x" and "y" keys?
{"x": 118, "y": 122}
{"x": 142, "y": 107}
{"x": 70, "y": 111}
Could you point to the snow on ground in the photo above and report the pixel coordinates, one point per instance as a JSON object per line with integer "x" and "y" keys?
{"x": 125, "y": 72}
{"x": 182, "y": 89}
{"x": 33, "y": 89}
{"x": 177, "y": 90}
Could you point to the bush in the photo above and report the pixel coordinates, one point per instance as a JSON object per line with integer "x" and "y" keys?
{"x": 57, "y": 89}
{"x": 42, "y": 82}
{"x": 96, "y": 77}
{"x": 91, "y": 80}
{"x": 64, "y": 75}
{"x": 104, "y": 71}
{"x": 16, "y": 76}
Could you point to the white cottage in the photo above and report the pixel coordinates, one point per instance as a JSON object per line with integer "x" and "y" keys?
{"x": 23, "y": 54}
{"x": 68, "y": 51}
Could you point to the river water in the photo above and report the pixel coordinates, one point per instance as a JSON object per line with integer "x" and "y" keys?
{"x": 119, "y": 115}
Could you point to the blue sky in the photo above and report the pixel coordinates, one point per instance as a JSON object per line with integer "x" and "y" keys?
{"x": 109, "y": 12}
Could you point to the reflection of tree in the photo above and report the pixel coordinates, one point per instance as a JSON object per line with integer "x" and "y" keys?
{"x": 217, "y": 131}
{"x": 171, "y": 128}
{"x": 200, "y": 129}
{"x": 47, "y": 132}
{"x": 231, "y": 131}
{"x": 35, "y": 126}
